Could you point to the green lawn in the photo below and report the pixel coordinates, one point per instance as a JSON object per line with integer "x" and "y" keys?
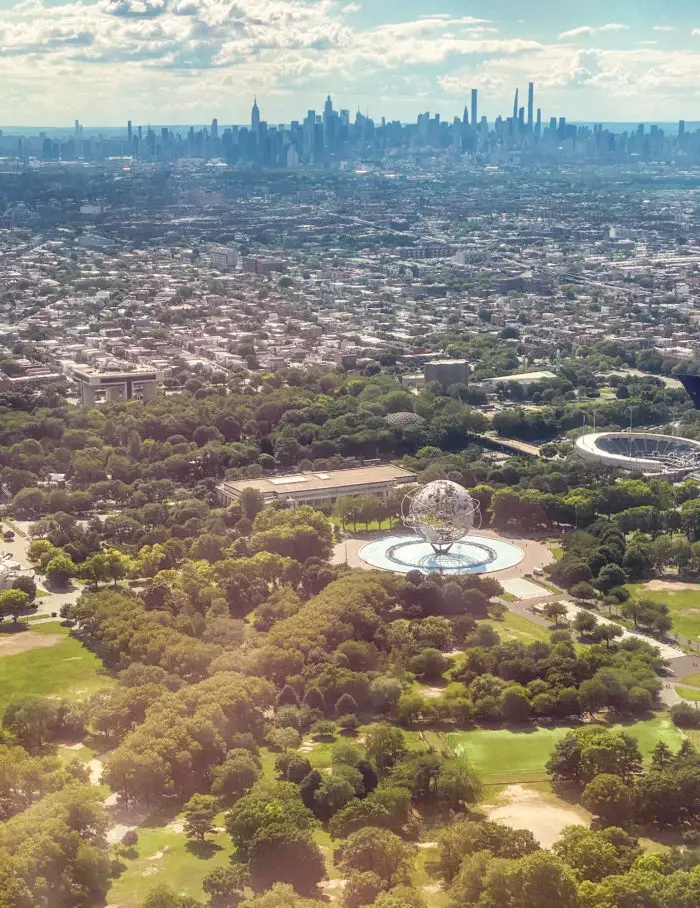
{"x": 165, "y": 856}
{"x": 500, "y": 751}
{"x": 67, "y": 669}
{"x": 373, "y": 526}
{"x": 517, "y": 627}
{"x": 693, "y": 679}
{"x": 683, "y": 606}
{"x": 688, "y": 693}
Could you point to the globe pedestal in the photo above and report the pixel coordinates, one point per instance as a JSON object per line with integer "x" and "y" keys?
{"x": 472, "y": 555}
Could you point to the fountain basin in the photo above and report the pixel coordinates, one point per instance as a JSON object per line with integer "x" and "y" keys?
{"x": 471, "y": 555}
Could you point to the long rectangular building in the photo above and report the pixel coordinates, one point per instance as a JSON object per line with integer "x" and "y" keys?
{"x": 321, "y": 488}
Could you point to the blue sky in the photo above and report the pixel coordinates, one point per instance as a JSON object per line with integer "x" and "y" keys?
{"x": 181, "y": 61}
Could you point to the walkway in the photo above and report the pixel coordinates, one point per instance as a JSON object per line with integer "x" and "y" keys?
{"x": 52, "y": 600}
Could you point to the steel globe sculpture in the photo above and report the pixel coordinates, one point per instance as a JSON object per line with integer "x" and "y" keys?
{"x": 442, "y": 512}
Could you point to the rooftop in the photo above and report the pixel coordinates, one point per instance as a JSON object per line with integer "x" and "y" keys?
{"x": 315, "y": 482}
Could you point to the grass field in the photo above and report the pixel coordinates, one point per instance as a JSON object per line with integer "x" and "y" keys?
{"x": 516, "y": 627}
{"x": 688, "y": 693}
{"x": 683, "y": 607}
{"x": 163, "y": 855}
{"x": 692, "y": 679}
{"x": 65, "y": 670}
{"x": 502, "y": 751}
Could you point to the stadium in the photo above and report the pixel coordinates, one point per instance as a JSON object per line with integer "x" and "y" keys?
{"x": 664, "y": 456}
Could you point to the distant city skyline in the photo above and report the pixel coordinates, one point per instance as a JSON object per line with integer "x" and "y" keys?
{"x": 333, "y": 136}
{"x": 525, "y": 103}
{"x": 186, "y": 61}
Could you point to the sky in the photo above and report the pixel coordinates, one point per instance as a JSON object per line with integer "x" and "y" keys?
{"x": 186, "y": 61}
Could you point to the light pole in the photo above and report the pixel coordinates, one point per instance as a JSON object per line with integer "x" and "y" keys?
{"x": 630, "y": 410}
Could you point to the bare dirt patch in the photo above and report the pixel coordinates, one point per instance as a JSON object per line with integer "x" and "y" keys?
{"x": 333, "y": 888}
{"x": 523, "y": 808}
{"x": 117, "y": 833}
{"x": 307, "y": 747}
{"x": 179, "y": 826}
{"x": 95, "y": 768}
{"x": 22, "y": 642}
{"x": 673, "y": 586}
{"x": 432, "y": 693}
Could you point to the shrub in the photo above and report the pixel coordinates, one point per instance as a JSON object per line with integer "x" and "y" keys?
{"x": 685, "y": 716}
{"x": 324, "y": 728}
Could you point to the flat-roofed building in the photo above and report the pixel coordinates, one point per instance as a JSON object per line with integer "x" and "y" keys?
{"x": 446, "y": 371}
{"x": 521, "y": 378}
{"x": 320, "y": 488}
{"x": 117, "y": 385}
{"x": 224, "y": 257}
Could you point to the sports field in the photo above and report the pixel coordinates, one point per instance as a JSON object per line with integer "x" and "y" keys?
{"x": 65, "y": 668}
{"x": 501, "y": 751}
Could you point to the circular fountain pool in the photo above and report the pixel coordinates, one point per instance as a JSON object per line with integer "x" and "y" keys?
{"x": 471, "y": 555}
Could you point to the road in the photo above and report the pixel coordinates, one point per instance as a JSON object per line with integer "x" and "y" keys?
{"x": 52, "y": 600}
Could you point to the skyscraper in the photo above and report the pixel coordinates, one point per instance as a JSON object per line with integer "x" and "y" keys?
{"x": 515, "y": 106}
{"x": 129, "y": 132}
{"x": 255, "y": 116}
{"x": 530, "y": 105}
{"x": 215, "y": 128}
{"x": 475, "y": 108}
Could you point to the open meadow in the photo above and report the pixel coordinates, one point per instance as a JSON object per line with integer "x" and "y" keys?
{"x": 505, "y": 755}
{"x": 46, "y": 661}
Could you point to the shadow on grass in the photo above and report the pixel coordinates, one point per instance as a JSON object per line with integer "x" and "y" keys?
{"x": 616, "y": 719}
{"x": 568, "y": 791}
{"x": 14, "y": 627}
{"x": 202, "y": 850}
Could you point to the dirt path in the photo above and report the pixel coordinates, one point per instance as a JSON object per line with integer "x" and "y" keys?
{"x": 673, "y": 586}
{"x": 524, "y": 808}
{"x": 21, "y": 642}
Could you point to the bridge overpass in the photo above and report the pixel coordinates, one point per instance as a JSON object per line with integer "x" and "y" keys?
{"x": 495, "y": 442}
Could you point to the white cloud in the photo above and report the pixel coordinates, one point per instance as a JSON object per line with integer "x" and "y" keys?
{"x": 695, "y": 33}
{"x": 593, "y": 30}
{"x": 173, "y": 60}
{"x": 663, "y": 28}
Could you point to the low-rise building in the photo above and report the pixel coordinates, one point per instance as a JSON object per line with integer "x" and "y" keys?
{"x": 321, "y": 488}
{"x": 521, "y": 378}
{"x": 116, "y": 385}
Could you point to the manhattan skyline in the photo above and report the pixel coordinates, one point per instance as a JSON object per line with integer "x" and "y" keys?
{"x": 186, "y": 61}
